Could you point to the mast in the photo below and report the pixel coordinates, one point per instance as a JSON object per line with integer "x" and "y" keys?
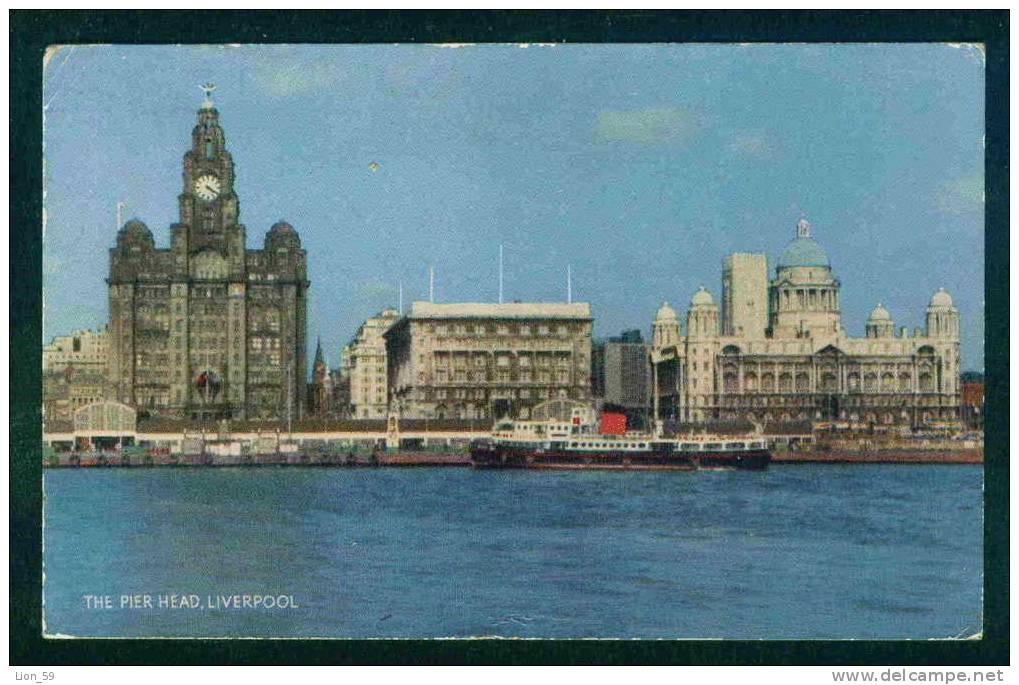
{"x": 290, "y": 365}
{"x": 500, "y": 274}
{"x": 569, "y": 285}
{"x": 654, "y": 368}
{"x": 431, "y": 283}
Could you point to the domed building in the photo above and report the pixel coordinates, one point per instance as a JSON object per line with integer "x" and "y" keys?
{"x": 777, "y": 352}
{"x": 207, "y": 328}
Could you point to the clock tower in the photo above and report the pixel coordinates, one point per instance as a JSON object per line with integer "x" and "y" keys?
{"x": 209, "y": 329}
{"x": 208, "y": 206}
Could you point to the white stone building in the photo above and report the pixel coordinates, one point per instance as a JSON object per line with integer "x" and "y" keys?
{"x": 488, "y": 361}
{"x": 802, "y": 365}
{"x": 364, "y": 360}
{"x": 81, "y": 349}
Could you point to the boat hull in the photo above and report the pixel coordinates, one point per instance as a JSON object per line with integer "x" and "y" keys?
{"x": 500, "y": 457}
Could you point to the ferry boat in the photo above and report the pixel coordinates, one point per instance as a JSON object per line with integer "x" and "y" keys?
{"x": 577, "y": 444}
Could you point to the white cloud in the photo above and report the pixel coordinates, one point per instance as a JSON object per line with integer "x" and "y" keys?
{"x": 648, "y": 125}
{"x": 286, "y": 77}
{"x": 751, "y": 144}
{"x": 961, "y": 195}
{"x": 374, "y": 289}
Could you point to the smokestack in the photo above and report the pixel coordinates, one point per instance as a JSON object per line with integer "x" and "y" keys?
{"x": 500, "y": 274}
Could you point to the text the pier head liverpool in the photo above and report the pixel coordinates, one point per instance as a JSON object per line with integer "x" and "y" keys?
{"x": 209, "y": 329}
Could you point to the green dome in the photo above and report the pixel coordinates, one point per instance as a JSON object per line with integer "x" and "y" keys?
{"x": 803, "y": 250}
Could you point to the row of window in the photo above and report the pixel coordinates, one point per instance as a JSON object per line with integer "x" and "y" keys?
{"x": 828, "y": 383}
{"x": 500, "y": 329}
{"x": 543, "y": 360}
{"x": 562, "y": 376}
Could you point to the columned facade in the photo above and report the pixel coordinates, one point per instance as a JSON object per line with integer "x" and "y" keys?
{"x": 804, "y": 366}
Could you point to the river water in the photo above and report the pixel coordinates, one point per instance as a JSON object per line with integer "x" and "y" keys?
{"x": 798, "y": 551}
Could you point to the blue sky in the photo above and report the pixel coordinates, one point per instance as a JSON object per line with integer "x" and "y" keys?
{"x": 641, "y": 166}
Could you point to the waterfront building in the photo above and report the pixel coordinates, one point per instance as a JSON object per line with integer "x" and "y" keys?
{"x": 365, "y": 359}
{"x": 75, "y": 373}
{"x": 83, "y": 349}
{"x": 972, "y": 399}
{"x": 626, "y": 375}
{"x": 802, "y": 365}
{"x": 488, "y": 361}
{"x": 207, "y": 328}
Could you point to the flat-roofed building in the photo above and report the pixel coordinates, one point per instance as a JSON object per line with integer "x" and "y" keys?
{"x": 81, "y": 349}
{"x": 627, "y": 369}
{"x": 366, "y": 355}
{"x": 75, "y": 373}
{"x": 487, "y": 361}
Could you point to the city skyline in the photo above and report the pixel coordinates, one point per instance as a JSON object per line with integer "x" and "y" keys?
{"x": 414, "y": 170}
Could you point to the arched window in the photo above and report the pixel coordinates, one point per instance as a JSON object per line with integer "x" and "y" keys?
{"x": 888, "y": 382}
{"x": 903, "y": 382}
{"x": 870, "y": 382}
{"x": 802, "y": 382}
{"x": 853, "y": 381}
{"x": 828, "y": 382}
{"x": 750, "y": 382}
{"x": 730, "y": 382}
{"x": 785, "y": 382}
{"x": 926, "y": 382}
{"x": 768, "y": 382}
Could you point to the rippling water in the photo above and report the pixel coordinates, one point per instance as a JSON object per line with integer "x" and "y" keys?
{"x": 798, "y": 551}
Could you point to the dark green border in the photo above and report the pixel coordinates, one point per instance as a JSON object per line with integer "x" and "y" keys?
{"x": 31, "y": 32}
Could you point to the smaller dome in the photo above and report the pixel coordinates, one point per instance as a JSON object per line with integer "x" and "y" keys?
{"x": 665, "y": 313}
{"x": 702, "y": 297}
{"x": 282, "y": 235}
{"x": 136, "y": 227}
{"x": 941, "y": 299}
{"x": 135, "y": 234}
{"x": 879, "y": 313}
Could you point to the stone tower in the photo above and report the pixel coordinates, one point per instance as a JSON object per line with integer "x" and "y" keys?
{"x": 745, "y": 295}
{"x": 879, "y": 323}
{"x": 208, "y": 329}
{"x": 318, "y": 393}
{"x": 665, "y": 330}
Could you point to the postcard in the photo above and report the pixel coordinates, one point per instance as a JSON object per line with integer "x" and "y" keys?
{"x": 657, "y": 341}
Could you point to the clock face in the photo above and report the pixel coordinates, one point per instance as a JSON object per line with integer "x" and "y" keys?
{"x": 207, "y": 187}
